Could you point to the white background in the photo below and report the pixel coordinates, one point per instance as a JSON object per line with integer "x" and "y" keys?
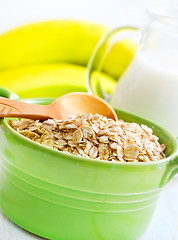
{"x": 111, "y": 12}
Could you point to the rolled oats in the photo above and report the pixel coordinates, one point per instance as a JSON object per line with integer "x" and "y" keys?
{"x": 96, "y": 137}
{"x": 131, "y": 151}
{"x": 93, "y": 152}
{"x": 77, "y": 136}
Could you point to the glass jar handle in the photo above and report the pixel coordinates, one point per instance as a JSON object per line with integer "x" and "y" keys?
{"x": 97, "y": 59}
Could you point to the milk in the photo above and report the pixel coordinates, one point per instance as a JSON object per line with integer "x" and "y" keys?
{"x": 149, "y": 87}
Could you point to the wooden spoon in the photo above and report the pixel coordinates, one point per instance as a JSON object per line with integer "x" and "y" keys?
{"x": 64, "y": 107}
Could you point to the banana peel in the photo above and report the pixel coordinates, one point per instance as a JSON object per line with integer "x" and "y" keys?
{"x": 61, "y": 41}
{"x": 49, "y": 80}
{"x": 49, "y": 42}
{"x": 48, "y": 59}
{"x": 119, "y": 57}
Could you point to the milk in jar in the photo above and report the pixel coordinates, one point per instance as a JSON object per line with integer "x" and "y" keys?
{"x": 149, "y": 87}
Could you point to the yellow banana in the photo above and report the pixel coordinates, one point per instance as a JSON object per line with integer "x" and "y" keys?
{"x": 48, "y": 58}
{"x": 61, "y": 41}
{"x": 49, "y": 80}
{"x": 119, "y": 57}
{"x": 49, "y": 42}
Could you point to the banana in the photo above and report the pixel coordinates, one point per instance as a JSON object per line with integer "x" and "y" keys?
{"x": 119, "y": 57}
{"x": 49, "y": 59}
{"x": 49, "y": 42}
{"x": 49, "y": 80}
{"x": 61, "y": 41}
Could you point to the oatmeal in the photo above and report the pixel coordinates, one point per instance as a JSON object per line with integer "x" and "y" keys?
{"x": 96, "y": 137}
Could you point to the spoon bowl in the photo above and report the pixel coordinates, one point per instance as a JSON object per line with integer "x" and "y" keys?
{"x": 75, "y": 103}
{"x": 64, "y": 107}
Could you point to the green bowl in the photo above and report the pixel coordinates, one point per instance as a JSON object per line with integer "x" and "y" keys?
{"x": 60, "y": 196}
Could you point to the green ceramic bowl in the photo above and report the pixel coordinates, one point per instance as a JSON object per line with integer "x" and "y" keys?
{"x": 60, "y": 196}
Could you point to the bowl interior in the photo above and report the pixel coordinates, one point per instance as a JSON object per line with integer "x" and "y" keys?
{"x": 163, "y": 135}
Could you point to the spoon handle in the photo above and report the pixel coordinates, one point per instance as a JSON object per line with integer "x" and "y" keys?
{"x": 14, "y": 108}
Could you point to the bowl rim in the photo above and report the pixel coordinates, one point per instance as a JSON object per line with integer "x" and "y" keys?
{"x": 102, "y": 162}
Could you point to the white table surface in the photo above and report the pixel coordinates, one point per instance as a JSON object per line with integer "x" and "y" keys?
{"x": 164, "y": 225}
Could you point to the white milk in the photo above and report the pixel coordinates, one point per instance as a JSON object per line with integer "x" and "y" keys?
{"x": 149, "y": 87}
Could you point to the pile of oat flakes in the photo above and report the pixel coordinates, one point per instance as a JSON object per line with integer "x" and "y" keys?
{"x": 96, "y": 137}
